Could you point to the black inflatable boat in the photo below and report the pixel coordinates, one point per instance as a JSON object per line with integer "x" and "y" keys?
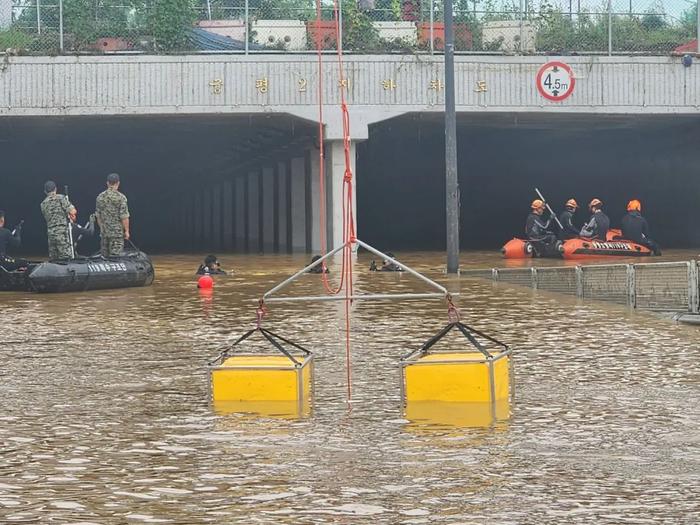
{"x": 90, "y": 273}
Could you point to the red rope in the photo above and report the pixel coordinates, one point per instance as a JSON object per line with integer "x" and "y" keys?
{"x": 348, "y": 219}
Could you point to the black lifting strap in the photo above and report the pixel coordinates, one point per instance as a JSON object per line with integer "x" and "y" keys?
{"x": 271, "y": 337}
{"x": 467, "y": 331}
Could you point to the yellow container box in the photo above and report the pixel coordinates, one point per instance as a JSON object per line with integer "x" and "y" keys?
{"x": 252, "y": 378}
{"x": 462, "y": 377}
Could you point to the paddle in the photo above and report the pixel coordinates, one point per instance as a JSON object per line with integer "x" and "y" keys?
{"x": 549, "y": 208}
{"x": 70, "y": 228}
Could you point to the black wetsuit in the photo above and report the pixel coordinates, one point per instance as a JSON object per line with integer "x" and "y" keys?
{"x": 202, "y": 270}
{"x": 8, "y": 240}
{"x": 635, "y": 228}
{"x": 569, "y": 231}
{"x": 597, "y": 227}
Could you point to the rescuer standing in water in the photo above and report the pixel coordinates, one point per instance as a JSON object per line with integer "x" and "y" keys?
{"x": 10, "y": 239}
{"x": 636, "y": 229}
{"x": 56, "y": 209}
{"x": 112, "y": 213}
{"x": 598, "y": 225}
{"x": 566, "y": 218}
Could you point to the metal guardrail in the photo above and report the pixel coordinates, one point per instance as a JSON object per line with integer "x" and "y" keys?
{"x": 670, "y": 286}
{"x": 367, "y": 26}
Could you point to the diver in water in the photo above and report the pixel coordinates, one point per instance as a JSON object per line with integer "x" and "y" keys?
{"x": 387, "y": 266}
{"x": 598, "y": 225}
{"x": 319, "y": 268}
{"x": 635, "y": 228}
{"x": 566, "y": 218}
{"x": 211, "y": 266}
{"x": 10, "y": 239}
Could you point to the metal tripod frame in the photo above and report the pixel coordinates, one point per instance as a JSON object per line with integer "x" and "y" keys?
{"x": 443, "y": 293}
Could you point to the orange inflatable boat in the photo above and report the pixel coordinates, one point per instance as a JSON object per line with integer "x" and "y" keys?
{"x": 577, "y": 248}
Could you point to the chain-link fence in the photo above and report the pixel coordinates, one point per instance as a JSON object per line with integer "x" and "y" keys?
{"x": 368, "y": 26}
{"x": 672, "y": 286}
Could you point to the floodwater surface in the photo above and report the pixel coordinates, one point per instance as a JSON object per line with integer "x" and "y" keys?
{"x": 106, "y": 418}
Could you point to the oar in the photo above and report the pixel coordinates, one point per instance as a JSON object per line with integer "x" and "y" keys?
{"x": 14, "y": 232}
{"x": 549, "y": 208}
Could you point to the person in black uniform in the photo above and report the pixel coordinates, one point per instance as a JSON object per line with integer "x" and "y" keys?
{"x": 319, "y": 268}
{"x": 566, "y": 218}
{"x": 10, "y": 239}
{"x": 78, "y": 231}
{"x": 598, "y": 225}
{"x": 387, "y": 265}
{"x": 537, "y": 230}
{"x": 211, "y": 265}
{"x": 635, "y": 228}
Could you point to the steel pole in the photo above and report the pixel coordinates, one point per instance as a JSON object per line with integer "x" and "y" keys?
{"x": 452, "y": 183}
{"x": 609, "y": 27}
{"x": 432, "y": 26}
{"x": 38, "y": 17}
{"x": 247, "y": 26}
{"x": 698, "y": 28}
{"x": 60, "y": 25}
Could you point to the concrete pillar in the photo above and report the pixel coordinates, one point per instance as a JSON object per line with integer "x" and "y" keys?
{"x": 298, "y": 208}
{"x": 335, "y": 154}
{"x": 253, "y": 211}
{"x": 314, "y": 204}
{"x": 240, "y": 213}
{"x": 207, "y": 232}
{"x": 227, "y": 217}
{"x": 282, "y": 207}
{"x": 216, "y": 226}
{"x": 197, "y": 215}
{"x": 268, "y": 209}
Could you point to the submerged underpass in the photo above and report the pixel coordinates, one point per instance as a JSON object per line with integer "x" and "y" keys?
{"x": 249, "y": 183}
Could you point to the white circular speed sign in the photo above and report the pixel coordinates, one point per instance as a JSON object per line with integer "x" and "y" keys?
{"x": 555, "y": 81}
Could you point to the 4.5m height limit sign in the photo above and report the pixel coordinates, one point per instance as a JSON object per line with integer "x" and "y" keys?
{"x": 555, "y": 81}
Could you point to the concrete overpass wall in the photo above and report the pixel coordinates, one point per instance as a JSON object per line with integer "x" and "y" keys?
{"x": 378, "y": 86}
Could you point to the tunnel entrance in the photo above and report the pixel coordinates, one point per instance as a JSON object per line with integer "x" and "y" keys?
{"x": 161, "y": 160}
{"x": 187, "y": 177}
{"x": 502, "y": 157}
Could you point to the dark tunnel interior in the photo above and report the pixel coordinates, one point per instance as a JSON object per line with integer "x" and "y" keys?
{"x": 400, "y": 170}
{"x": 503, "y": 157}
{"x": 160, "y": 159}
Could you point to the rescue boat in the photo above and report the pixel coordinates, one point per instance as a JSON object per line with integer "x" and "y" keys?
{"x": 613, "y": 246}
{"x": 78, "y": 275}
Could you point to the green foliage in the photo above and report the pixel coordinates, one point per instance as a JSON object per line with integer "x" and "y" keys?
{"x": 358, "y": 32}
{"x": 170, "y": 21}
{"x": 283, "y": 9}
{"x": 14, "y": 39}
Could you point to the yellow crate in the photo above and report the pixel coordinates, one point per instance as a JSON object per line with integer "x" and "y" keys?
{"x": 457, "y": 415}
{"x": 466, "y": 377}
{"x": 262, "y": 378}
{"x": 272, "y": 409}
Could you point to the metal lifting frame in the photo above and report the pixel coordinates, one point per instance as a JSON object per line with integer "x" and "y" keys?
{"x": 267, "y": 297}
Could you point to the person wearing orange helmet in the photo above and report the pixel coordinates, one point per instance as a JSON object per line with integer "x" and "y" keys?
{"x": 566, "y": 218}
{"x": 635, "y": 228}
{"x": 537, "y": 228}
{"x": 598, "y": 225}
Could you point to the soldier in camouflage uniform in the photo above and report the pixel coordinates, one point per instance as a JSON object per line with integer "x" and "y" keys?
{"x": 56, "y": 209}
{"x": 112, "y": 217}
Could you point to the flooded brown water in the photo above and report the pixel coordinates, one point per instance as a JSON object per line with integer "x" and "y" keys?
{"x": 106, "y": 419}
